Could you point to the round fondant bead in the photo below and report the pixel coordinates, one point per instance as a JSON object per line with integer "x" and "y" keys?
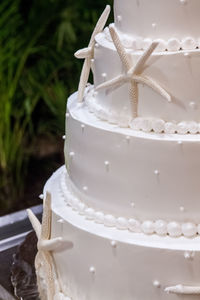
{"x": 193, "y": 127}
{"x": 89, "y": 213}
{"x": 109, "y": 221}
{"x": 173, "y": 44}
{"x": 189, "y": 229}
{"x": 161, "y": 227}
{"x": 182, "y": 128}
{"x": 158, "y": 125}
{"x": 146, "y": 43}
{"x": 99, "y": 217}
{"x": 189, "y": 43}
{"x": 148, "y": 227}
{"x": 122, "y": 223}
{"x": 170, "y": 127}
{"x": 162, "y": 46}
{"x": 174, "y": 229}
{"x": 81, "y": 208}
{"x": 146, "y": 125}
{"x": 134, "y": 225}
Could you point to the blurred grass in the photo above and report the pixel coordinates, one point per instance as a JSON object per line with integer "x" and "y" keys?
{"x": 37, "y": 74}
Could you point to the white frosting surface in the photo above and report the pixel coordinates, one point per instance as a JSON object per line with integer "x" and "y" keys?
{"x": 131, "y": 174}
{"x": 105, "y": 263}
{"x": 177, "y": 72}
{"x": 163, "y": 19}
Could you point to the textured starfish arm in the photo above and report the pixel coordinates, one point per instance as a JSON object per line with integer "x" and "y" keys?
{"x": 100, "y": 24}
{"x": 49, "y": 274}
{"x": 134, "y": 98}
{"x": 35, "y": 223}
{"x": 126, "y": 60}
{"x": 115, "y": 82}
{"x": 84, "y": 79}
{"x": 46, "y": 218}
{"x": 83, "y": 53}
{"x": 50, "y": 245}
{"x": 153, "y": 85}
{"x": 183, "y": 290}
{"x": 142, "y": 60}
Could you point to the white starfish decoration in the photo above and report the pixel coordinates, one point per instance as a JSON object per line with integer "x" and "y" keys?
{"x": 183, "y": 290}
{"x": 46, "y": 245}
{"x": 88, "y": 53}
{"x": 133, "y": 73}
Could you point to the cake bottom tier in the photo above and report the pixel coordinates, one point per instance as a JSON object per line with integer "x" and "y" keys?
{"x": 102, "y": 263}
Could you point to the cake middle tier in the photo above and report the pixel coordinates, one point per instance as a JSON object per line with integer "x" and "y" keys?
{"x": 132, "y": 174}
{"x": 176, "y": 72}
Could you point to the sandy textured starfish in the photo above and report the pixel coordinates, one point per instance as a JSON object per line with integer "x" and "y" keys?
{"x": 133, "y": 73}
{"x": 46, "y": 245}
{"x": 88, "y": 53}
{"x": 183, "y": 290}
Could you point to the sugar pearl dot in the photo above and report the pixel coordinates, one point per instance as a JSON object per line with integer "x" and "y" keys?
{"x": 64, "y": 137}
{"x": 132, "y": 204}
{"x": 174, "y": 229}
{"x": 67, "y": 115}
{"x": 85, "y": 188}
{"x": 104, "y": 75}
{"x": 107, "y": 165}
{"x": 157, "y": 284}
{"x": 92, "y": 60}
{"x": 113, "y": 244}
{"x": 119, "y": 18}
{"x": 153, "y": 25}
{"x": 189, "y": 255}
{"x": 186, "y": 54}
{"x": 182, "y": 208}
{"x": 92, "y": 270}
{"x": 82, "y": 127}
{"x": 189, "y": 229}
{"x": 41, "y": 196}
{"x": 156, "y": 172}
{"x": 183, "y": 2}
{"x": 110, "y": 221}
{"x": 128, "y": 138}
{"x": 61, "y": 221}
{"x": 161, "y": 227}
{"x": 192, "y": 105}
{"x": 96, "y": 45}
{"x": 148, "y": 227}
{"x": 180, "y": 142}
{"x": 122, "y": 223}
{"x": 71, "y": 154}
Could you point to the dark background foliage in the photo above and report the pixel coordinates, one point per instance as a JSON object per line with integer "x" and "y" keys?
{"x": 37, "y": 73}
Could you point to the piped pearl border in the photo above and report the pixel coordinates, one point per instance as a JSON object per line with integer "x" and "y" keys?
{"x": 172, "y": 44}
{"x": 143, "y": 124}
{"x": 159, "y": 227}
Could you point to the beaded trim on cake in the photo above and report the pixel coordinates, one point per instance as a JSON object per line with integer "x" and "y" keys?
{"x": 144, "y": 124}
{"x": 159, "y": 227}
{"x": 172, "y": 44}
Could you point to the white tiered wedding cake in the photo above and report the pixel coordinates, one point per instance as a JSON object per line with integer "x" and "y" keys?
{"x": 121, "y": 220}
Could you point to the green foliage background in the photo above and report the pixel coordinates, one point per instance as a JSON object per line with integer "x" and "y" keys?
{"x": 37, "y": 73}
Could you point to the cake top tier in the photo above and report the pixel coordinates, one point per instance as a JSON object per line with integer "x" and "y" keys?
{"x": 158, "y": 19}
